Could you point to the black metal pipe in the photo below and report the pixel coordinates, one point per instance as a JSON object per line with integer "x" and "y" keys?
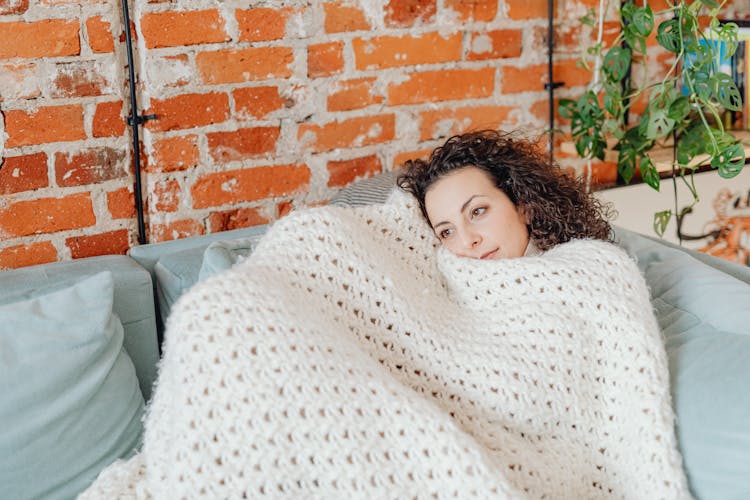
{"x": 551, "y": 84}
{"x": 134, "y": 120}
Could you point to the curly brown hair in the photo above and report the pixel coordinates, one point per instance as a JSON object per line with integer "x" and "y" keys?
{"x": 558, "y": 206}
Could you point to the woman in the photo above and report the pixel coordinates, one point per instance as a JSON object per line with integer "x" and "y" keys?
{"x": 489, "y": 195}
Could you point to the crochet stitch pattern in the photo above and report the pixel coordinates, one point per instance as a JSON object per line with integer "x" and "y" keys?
{"x": 350, "y": 357}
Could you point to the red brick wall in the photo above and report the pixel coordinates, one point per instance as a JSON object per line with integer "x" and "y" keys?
{"x": 260, "y": 110}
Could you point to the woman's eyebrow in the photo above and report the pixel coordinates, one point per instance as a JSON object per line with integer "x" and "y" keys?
{"x": 463, "y": 207}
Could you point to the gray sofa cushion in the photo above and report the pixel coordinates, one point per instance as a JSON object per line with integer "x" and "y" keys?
{"x": 175, "y": 265}
{"x": 704, "y": 314}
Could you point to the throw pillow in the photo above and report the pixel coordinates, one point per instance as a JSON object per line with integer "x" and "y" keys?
{"x": 221, "y": 255}
{"x": 70, "y": 403}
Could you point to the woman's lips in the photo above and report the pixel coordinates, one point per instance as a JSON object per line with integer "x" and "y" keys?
{"x": 489, "y": 255}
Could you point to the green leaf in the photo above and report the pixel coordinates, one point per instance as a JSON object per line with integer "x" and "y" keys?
{"x": 588, "y": 106}
{"x": 591, "y": 146}
{"x": 612, "y": 102}
{"x": 727, "y": 93}
{"x": 729, "y": 161}
{"x": 661, "y": 219}
{"x": 649, "y": 173}
{"x": 642, "y": 20}
{"x": 692, "y": 144}
{"x": 726, "y": 33}
{"x": 635, "y": 41}
{"x": 616, "y": 63}
{"x": 579, "y": 127}
{"x": 668, "y": 35}
{"x": 679, "y": 109}
{"x": 566, "y": 108}
{"x": 626, "y": 161}
{"x": 659, "y": 124}
{"x": 702, "y": 84}
{"x": 711, "y": 4}
{"x": 643, "y": 124}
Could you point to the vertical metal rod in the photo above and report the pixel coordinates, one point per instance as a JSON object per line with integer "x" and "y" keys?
{"x": 550, "y": 80}
{"x": 134, "y": 121}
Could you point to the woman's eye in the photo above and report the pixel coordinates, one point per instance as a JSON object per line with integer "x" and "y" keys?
{"x": 445, "y": 233}
{"x": 478, "y": 211}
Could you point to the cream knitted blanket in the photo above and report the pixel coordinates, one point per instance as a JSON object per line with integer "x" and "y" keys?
{"x": 351, "y": 358}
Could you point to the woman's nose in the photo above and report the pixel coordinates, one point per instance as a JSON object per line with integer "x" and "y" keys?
{"x": 470, "y": 238}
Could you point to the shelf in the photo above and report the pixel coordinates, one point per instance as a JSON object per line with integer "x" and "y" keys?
{"x": 662, "y": 156}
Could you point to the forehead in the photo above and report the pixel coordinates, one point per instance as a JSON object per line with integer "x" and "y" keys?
{"x": 460, "y": 183}
{"x": 449, "y": 193}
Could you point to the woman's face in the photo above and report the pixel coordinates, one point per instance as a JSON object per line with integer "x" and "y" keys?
{"x": 473, "y": 218}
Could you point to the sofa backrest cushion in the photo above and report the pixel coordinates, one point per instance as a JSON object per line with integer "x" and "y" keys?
{"x": 704, "y": 314}
{"x": 175, "y": 265}
{"x": 70, "y": 403}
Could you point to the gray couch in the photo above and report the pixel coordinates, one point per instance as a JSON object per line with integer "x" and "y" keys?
{"x": 79, "y": 348}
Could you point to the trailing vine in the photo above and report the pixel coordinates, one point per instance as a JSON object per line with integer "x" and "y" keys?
{"x": 692, "y": 119}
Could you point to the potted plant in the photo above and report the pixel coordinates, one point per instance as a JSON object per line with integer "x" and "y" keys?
{"x": 685, "y": 105}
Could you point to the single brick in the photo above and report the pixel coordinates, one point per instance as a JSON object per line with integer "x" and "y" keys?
{"x": 47, "y": 215}
{"x": 172, "y": 29}
{"x": 32, "y": 254}
{"x": 351, "y": 133}
{"x": 248, "y": 184}
{"x": 13, "y": 6}
{"x": 262, "y": 24}
{"x": 496, "y": 44}
{"x": 121, "y": 203}
{"x": 353, "y": 94}
{"x": 46, "y": 38}
{"x": 174, "y": 153}
{"x": 257, "y": 102}
{"x": 406, "y": 13}
{"x": 109, "y": 243}
{"x": 100, "y": 35}
{"x": 79, "y": 79}
{"x": 108, "y": 120}
{"x": 188, "y": 111}
{"x": 524, "y": 9}
{"x": 242, "y": 144}
{"x": 343, "y": 172}
{"x": 340, "y": 18}
{"x": 47, "y": 124}
{"x": 473, "y": 10}
{"x": 90, "y": 166}
{"x": 524, "y": 79}
{"x": 447, "y": 122}
{"x": 242, "y": 65}
{"x": 325, "y": 59}
{"x": 407, "y": 50}
{"x": 569, "y": 72}
{"x": 176, "y": 230}
{"x": 444, "y": 85}
{"x": 166, "y": 195}
{"x": 20, "y": 81}
{"x": 23, "y": 173}
{"x": 238, "y": 218}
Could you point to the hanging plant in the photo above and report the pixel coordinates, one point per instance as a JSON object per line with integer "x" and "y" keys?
{"x": 684, "y": 106}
